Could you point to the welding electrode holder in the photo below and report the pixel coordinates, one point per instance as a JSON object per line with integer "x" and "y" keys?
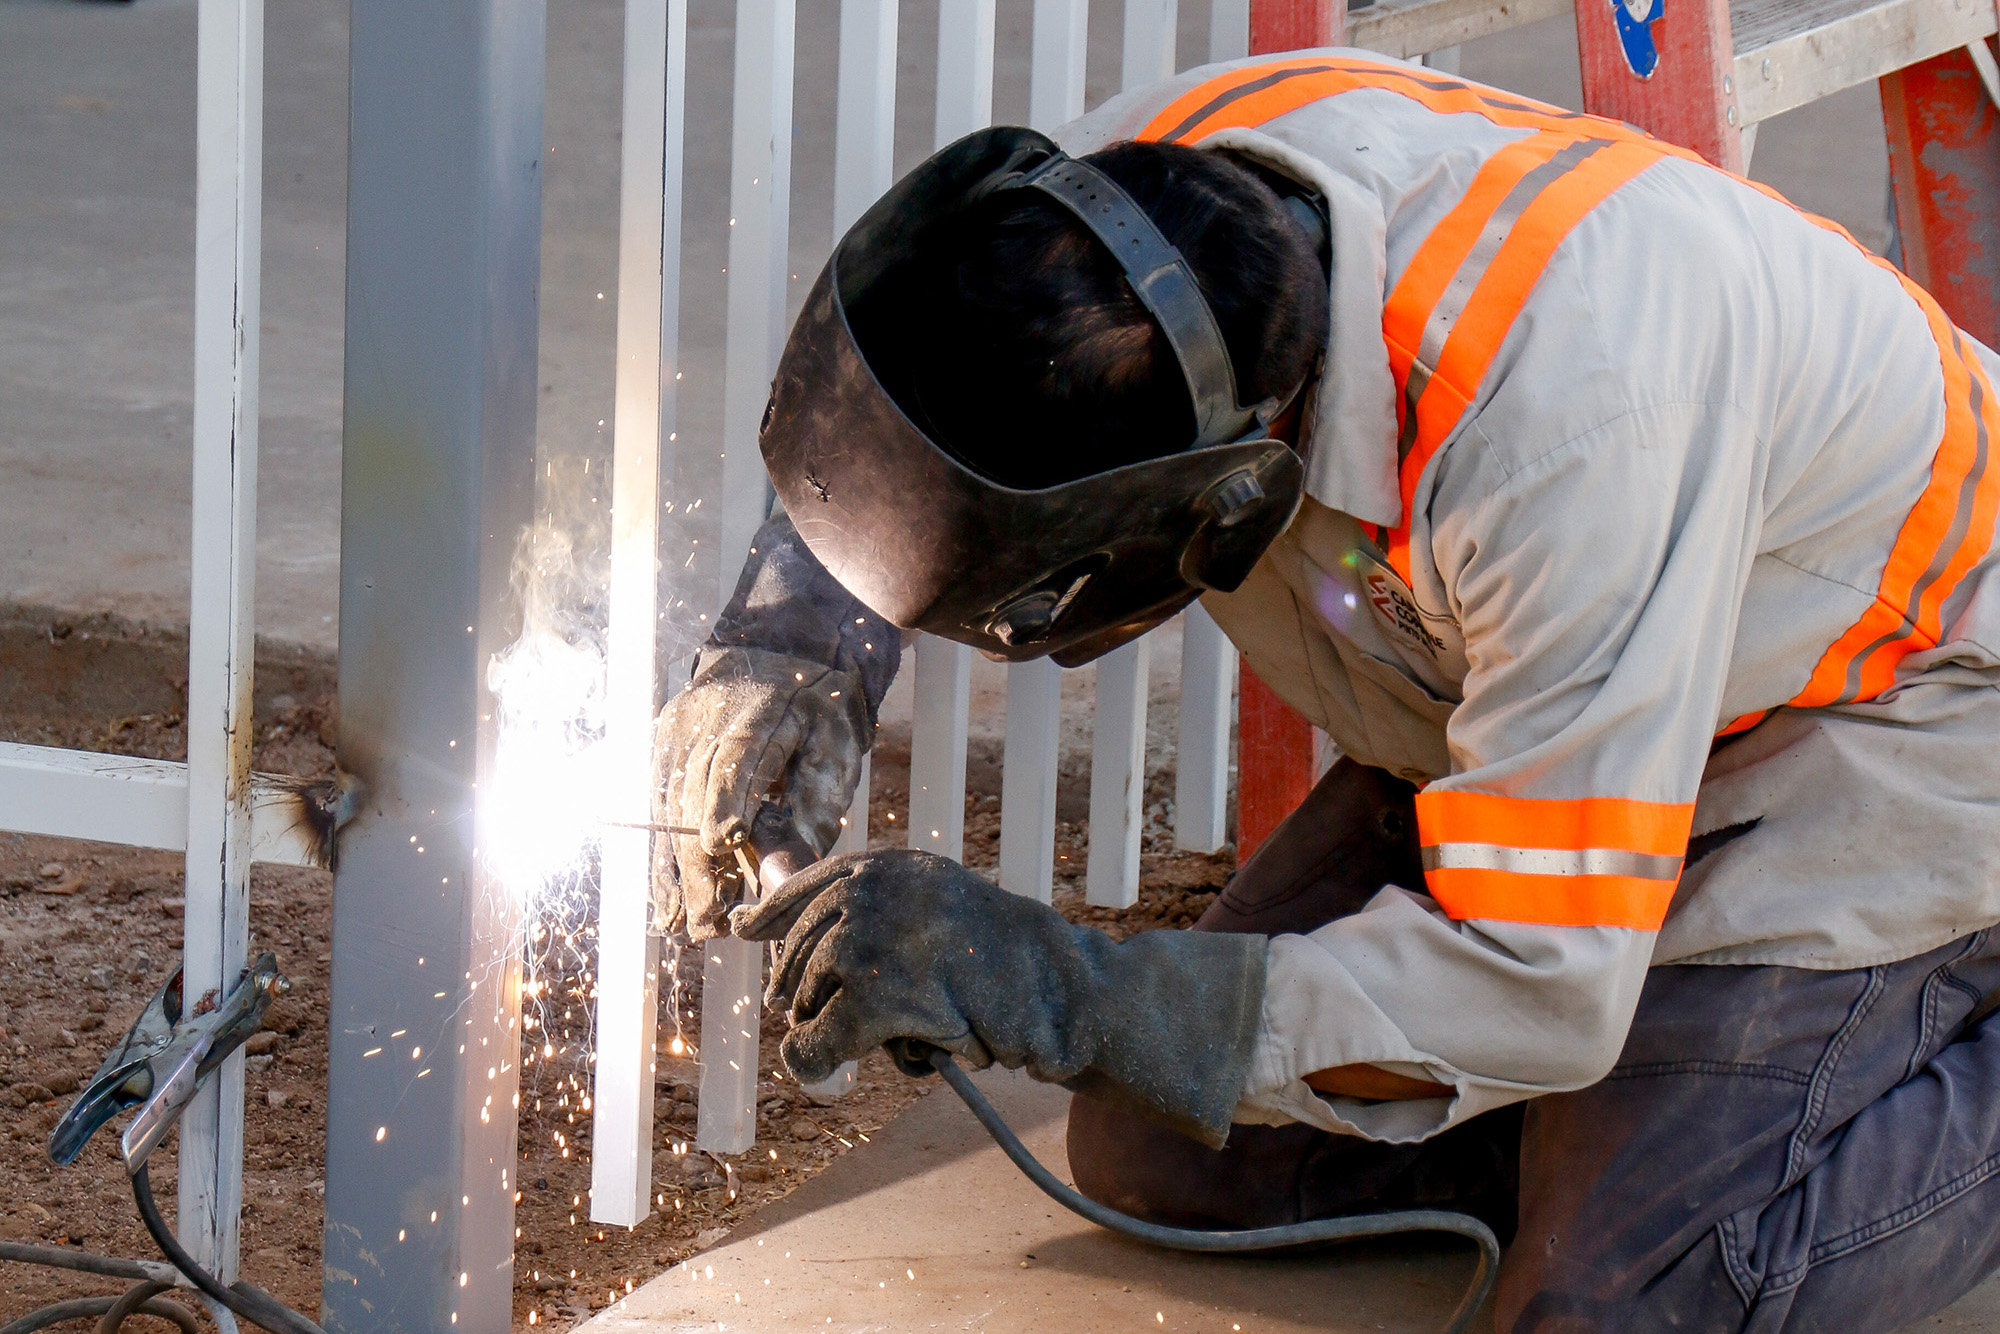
{"x": 773, "y": 851}
{"x": 170, "y": 1051}
{"x": 781, "y": 853}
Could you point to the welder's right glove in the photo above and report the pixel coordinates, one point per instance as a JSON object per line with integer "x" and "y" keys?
{"x": 907, "y": 949}
{"x": 780, "y": 710}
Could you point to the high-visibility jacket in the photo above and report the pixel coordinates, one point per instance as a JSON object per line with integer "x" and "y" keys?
{"x": 1641, "y": 505}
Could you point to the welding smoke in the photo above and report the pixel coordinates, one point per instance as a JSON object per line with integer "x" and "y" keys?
{"x": 549, "y": 687}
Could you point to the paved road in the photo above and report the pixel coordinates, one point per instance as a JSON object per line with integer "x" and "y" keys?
{"x": 96, "y": 261}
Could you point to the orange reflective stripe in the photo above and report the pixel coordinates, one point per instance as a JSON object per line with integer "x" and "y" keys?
{"x": 1586, "y": 900}
{"x": 1654, "y": 827}
{"x": 1745, "y": 723}
{"x": 1501, "y": 290}
{"x": 1445, "y": 250}
{"x": 1598, "y": 861}
{"x": 1945, "y": 534}
{"x": 1173, "y": 122}
{"x": 1253, "y": 95}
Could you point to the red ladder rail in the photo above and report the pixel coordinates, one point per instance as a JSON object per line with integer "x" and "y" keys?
{"x": 1685, "y": 70}
{"x": 1944, "y": 173}
{"x": 1274, "y": 744}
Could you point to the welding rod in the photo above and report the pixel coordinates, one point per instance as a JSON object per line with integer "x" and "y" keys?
{"x": 656, "y": 828}
{"x": 774, "y": 849}
{"x": 778, "y": 848}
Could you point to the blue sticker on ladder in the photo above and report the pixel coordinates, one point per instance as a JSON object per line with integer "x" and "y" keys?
{"x": 1635, "y": 20}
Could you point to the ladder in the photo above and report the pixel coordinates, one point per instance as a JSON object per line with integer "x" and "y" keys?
{"x": 1704, "y": 74}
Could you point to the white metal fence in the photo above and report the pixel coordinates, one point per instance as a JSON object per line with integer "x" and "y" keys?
{"x": 655, "y": 119}
{"x": 224, "y": 817}
{"x": 212, "y": 807}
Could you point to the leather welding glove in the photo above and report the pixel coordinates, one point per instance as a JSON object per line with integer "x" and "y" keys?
{"x": 908, "y": 950}
{"x": 780, "y": 709}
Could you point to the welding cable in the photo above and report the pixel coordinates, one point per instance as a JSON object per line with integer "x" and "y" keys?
{"x": 254, "y": 1304}
{"x": 83, "y": 1262}
{"x": 139, "y": 1301}
{"x": 111, "y": 1312}
{"x": 153, "y": 1278}
{"x": 1243, "y": 1240}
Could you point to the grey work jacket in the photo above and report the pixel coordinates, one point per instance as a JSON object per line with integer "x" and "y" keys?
{"x": 1719, "y": 471}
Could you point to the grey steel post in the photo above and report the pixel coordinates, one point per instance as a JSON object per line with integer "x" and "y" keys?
{"x": 443, "y": 262}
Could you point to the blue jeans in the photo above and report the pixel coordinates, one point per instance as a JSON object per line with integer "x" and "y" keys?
{"x": 1778, "y": 1149}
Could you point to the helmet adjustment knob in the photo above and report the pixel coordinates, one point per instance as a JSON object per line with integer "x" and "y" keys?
{"x": 1025, "y": 620}
{"x": 1235, "y": 498}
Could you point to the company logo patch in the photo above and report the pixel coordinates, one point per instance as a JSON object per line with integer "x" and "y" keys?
{"x": 1398, "y": 611}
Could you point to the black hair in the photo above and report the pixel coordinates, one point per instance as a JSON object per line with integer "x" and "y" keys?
{"x": 1020, "y": 347}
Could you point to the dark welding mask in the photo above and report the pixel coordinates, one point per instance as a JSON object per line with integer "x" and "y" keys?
{"x": 1070, "y": 571}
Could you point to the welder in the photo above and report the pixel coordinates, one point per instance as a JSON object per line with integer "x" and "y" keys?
{"x": 1629, "y": 532}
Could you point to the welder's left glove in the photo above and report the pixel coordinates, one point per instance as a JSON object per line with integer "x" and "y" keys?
{"x": 780, "y": 711}
{"x": 903, "y": 949}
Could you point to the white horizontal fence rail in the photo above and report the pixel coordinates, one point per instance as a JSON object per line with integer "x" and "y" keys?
{"x": 142, "y": 803}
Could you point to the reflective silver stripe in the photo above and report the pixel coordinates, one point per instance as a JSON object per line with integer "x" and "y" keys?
{"x": 1549, "y": 861}
{"x": 1451, "y": 304}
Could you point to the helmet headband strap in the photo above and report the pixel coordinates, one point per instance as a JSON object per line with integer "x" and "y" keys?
{"x": 1165, "y": 285}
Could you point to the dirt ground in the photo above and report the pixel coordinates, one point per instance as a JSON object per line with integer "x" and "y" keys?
{"x": 88, "y": 932}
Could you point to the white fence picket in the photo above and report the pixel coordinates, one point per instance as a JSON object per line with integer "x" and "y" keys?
{"x": 229, "y": 152}
{"x": 864, "y": 117}
{"x": 1117, "y": 776}
{"x": 1229, "y": 29}
{"x": 1148, "y": 54}
{"x": 864, "y": 146}
{"x": 1034, "y": 689}
{"x": 942, "y": 700}
{"x": 649, "y": 234}
{"x": 1201, "y": 763}
{"x": 854, "y": 827}
{"x": 1028, "y": 779}
{"x": 944, "y": 669}
{"x": 760, "y": 172}
{"x": 864, "y": 165}
{"x": 1118, "y": 770}
{"x": 965, "y": 69}
{"x": 1055, "y": 71}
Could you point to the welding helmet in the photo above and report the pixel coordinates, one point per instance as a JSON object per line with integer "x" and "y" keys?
{"x": 1069, "y": 571}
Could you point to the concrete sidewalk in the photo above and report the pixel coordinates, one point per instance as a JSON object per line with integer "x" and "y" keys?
{"x": 929, "y": 1226}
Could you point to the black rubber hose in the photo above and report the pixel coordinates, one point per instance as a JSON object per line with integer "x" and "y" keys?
{"x": 139, "y": 1301}
{"x": 84, "y": 1262}
{"x": 1242, "y": 1240}
{"x": 254, "y": 1304}
{"x": 95, "y": 1308}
